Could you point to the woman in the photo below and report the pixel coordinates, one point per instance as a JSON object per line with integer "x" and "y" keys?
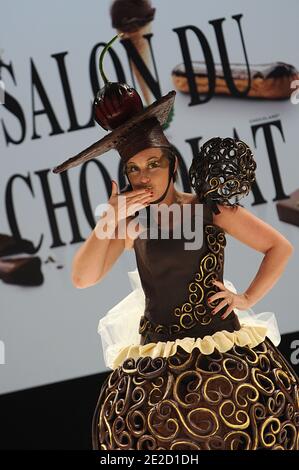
{"x": 199, "y": 377}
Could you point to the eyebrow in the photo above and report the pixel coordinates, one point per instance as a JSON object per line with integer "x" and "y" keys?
{"x": 150, "y": 158}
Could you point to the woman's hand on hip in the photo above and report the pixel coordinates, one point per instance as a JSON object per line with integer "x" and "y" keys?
{"x": 230, "y": 299}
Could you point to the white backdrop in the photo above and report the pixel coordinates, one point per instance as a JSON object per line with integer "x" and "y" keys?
{"x": 50, "y": 332}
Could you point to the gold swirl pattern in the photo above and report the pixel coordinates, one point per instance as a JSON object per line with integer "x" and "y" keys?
{"x": 246, "y": 398}
{"x": 223, "y": 169}
{"x": 196, "y": 309}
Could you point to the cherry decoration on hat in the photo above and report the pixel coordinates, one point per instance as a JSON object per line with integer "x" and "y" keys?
{"x": 115, "y": 102}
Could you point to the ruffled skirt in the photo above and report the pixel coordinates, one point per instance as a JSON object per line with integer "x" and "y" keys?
{"x": 224, "y": 391}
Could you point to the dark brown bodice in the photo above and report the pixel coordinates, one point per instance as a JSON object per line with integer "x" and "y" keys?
{"x": 177, "y": 283}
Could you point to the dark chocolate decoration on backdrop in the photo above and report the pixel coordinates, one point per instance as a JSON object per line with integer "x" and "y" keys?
{"x": 131, "y": 14}
{"x": 11, "y": 246}
{"x": 288, "y": 209}
{"x": 133, "y": 20}
{"x": 268, "y": 81}
{"x": 23, "y": 271}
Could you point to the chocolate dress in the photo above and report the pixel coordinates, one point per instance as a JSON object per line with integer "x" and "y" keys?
{"x": 194, "y": 381}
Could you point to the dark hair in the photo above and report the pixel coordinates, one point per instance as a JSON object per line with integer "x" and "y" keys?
{"x": 170, "y": 153}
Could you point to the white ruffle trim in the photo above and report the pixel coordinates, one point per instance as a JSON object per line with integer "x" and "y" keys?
{"x": 120, "y": 338}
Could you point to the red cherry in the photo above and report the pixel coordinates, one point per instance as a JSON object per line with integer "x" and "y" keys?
{"x": 115, "y": 102}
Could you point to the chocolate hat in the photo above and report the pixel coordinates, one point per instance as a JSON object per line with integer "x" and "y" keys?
{"x": 148, "y": 133}
{"x": 142, "y": 131}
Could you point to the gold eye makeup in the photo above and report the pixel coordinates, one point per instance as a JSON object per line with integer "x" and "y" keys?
{"x": 151, "y": 164}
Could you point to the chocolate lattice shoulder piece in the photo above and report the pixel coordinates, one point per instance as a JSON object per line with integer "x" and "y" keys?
{"x": 222, "y": 171}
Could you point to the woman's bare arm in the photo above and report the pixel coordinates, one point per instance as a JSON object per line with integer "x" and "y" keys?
{"x": 106, "y": 242}
{"x": 96, "y": 257}
{"x": 254, "y": 232}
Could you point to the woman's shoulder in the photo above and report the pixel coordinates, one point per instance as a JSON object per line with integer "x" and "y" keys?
{"x": 225, "y": 217}
{"x": 249, "y": 229}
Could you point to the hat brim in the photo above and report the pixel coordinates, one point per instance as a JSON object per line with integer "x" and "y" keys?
{"x": 159, "y": 109}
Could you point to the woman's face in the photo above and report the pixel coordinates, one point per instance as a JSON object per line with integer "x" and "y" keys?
{"x": 149, "y": 169}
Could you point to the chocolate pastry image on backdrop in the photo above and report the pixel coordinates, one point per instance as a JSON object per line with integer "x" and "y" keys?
{"x": 133, "y": 18}
{"x": 185, "y": 376}
{"x": 288, "y": 209}
{"x": 268, "y": 81}
{"x": 19, "y": 270}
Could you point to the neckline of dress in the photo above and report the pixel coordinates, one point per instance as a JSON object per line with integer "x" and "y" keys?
{"x": 193, "y": 203}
